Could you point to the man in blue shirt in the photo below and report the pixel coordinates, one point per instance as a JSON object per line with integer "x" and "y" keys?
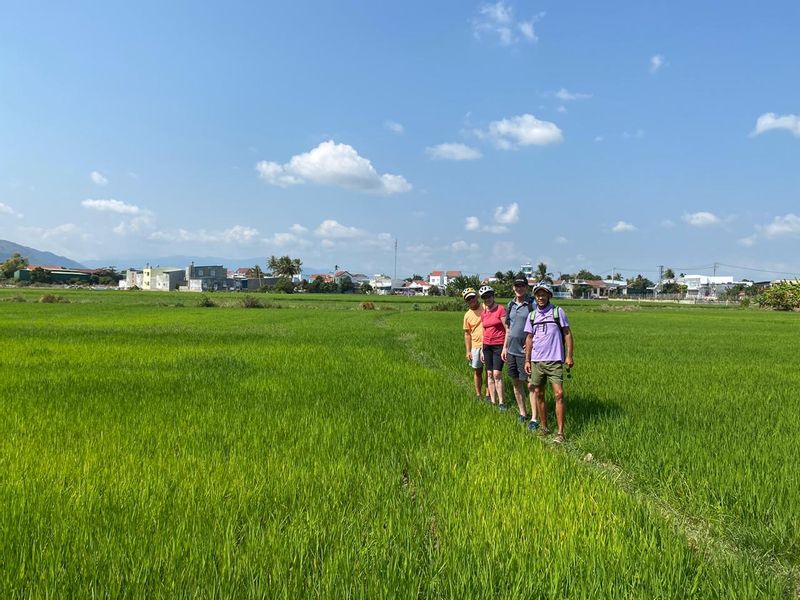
{"x": 513, "y": 354}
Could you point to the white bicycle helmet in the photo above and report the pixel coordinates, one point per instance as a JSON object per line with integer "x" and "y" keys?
{"x": 485, "y": 289}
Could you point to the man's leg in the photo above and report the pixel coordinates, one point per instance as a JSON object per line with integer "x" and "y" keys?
{"x": 558, "y": 392}
{"x": 534, "y": 408}
{"x": 477, "y": 376}
{"x": 519, "y": 395}
{"x": 538, "y": 393}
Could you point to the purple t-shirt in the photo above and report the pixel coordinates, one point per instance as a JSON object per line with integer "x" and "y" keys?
{"x": 547, "y": 344}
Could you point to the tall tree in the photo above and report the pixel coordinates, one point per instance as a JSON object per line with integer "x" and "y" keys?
{"x": 284, "y": 266}
{"x": 542, "y": 273}
{"x": 14, "y": 263}
{"x": 460, "y": 283}
{"x": 669, "y": 274}
{"x": 257, "y": 273}
{"x": 586, "y": 275}
{"x": 639, "y": 284}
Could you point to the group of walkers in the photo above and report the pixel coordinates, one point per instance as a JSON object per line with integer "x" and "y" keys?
{"x": 532, "y": 336}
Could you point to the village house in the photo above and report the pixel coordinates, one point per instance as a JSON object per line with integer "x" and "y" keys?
{"x": 441, "y": 278}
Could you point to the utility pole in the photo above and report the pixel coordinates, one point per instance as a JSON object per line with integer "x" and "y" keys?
{"x": 660, "y": 276}
{"x": 395, "y": 259}
{"x": 715, "y": 269}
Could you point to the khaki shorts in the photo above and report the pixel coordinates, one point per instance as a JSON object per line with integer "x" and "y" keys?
{"x": 549, "y": 370}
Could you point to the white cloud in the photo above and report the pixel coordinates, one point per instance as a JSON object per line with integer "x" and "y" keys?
{"x": 328, "y": 244}
{"x": 527, "y": 30}
{"x": 561, "y": 240}
{"x": 298, "y": 229}
{"x": 701, "y": 219}
{"x": 98, "y": 178}
{"x": 562, "y": 109}
{"x": 235, "y": 234}
{"x": 59, "y": 231}
{"x": 566, "y": 96}
{"x": 276, "y": 174}
{"x": 497, "y": 21}
{"x": 135, "y": 225}
{"x": 667, "y": 223}
{"x": 503, "y": 216}
{"x": 656, "y": 62}
{"x": 394, "y": 126}
{"x": 239, "y": 233}
{"x": 284, "y": 239}
{"x": 522, "y": 130}
{"x": 507, "y": 215}
{"x": 637, "y": 135}
{"x": 788, "y": 224}
{"x": 333, "y": 229}
{"x": 769, "y": 121}
{"x": 748, "y": 241}
{"x": 115, "y": 206}
{"x": 332, "y": 164}
{"x": 622, "y": 227}
{"x": 5, "y": 209}
{"x": 462, "y": 246}
{"x": 453, "y": 151}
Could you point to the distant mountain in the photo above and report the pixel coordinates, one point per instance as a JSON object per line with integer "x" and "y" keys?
{"x": 36, "y": 257}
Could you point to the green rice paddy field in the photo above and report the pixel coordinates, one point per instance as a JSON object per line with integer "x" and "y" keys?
{"x": 153, "y": 448}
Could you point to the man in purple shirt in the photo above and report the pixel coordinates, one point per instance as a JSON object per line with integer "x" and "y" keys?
{"x": 545, "y": 356}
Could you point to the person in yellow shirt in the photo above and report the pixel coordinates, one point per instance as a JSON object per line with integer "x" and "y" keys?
{"x": 473, "y": 337}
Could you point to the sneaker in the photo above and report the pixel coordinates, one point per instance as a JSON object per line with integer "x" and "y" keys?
{"x": 523, "y": 418}
{"x": 489, "y": 399}
{"x": 559, "y": 439}
{"x": 544, "y": 431}
{"x": 502, "y": 406}
{"x": 533, "y": 425}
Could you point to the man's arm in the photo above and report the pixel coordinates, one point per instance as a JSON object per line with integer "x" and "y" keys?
{"x": 468, "y": 344}
{"x": 528, "y": 346}
{"x": 570, "y": 344}
{"x": 504, "y": 352}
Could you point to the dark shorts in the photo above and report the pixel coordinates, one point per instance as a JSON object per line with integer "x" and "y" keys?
{"x": 491, "y": 357}
{"x": 516, "y": 367}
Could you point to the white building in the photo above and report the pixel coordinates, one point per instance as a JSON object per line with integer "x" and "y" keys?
{"x": 162, "y": 279}
{"x": 441, "y": 278}
{"x": 384, "y": 285}
{"x": 708, "y": 286}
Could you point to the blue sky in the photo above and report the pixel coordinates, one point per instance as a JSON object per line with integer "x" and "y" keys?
{"x": 479, "y": 135}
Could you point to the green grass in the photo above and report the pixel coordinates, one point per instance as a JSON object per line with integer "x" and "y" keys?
{"x": 149, "y": 449}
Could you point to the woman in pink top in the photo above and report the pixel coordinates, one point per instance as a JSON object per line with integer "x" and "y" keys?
{"x": 493, "y": 319}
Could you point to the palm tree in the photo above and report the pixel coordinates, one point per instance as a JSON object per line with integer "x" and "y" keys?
{"x": 542, "y": 274}
{"x": 257, "y": 273}
{"x": 284, "y": 266}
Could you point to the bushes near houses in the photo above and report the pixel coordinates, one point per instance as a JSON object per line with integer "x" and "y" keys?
{"x": 781, "y": 296}
{"x": 206, "y": 302}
